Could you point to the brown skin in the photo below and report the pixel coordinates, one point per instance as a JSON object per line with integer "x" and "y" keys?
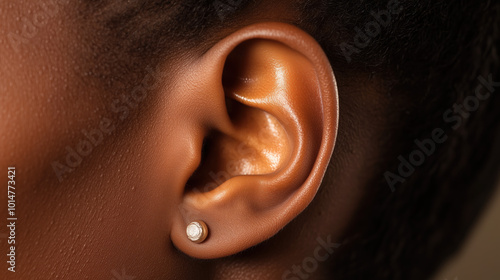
{"x": 266, "y": 97}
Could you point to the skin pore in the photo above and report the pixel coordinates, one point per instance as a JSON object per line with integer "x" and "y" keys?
{"x": 112, "y": 154}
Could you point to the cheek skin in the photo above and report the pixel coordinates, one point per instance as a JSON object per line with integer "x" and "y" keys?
{"x": 109, "y": 216}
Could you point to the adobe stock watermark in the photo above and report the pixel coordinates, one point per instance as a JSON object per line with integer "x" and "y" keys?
{"x": 372, "y": 29}
{"x": 225, "y": 7}
{"x": 34, "y": 22}
{"x": 454, "y": 116}
{"x": 309, "y": 265}
{"x": 91, "y": 138}
{"x": 121, "y": 276}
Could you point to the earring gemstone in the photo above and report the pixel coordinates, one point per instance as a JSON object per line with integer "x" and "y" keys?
{"x": 197, "y": 231}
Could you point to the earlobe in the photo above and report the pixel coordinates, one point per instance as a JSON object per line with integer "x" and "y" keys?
{"x": 264, "y": 124}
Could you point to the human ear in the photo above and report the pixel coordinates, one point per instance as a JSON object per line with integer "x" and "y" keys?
{"x": 260, "y": 115}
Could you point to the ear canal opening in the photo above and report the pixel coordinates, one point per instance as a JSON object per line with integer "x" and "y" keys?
{"x": 196, "y": 183}
{"x": 258, "y": 145}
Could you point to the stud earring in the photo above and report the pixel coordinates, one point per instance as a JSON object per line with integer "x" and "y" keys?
{"x": 197, "y": 231}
